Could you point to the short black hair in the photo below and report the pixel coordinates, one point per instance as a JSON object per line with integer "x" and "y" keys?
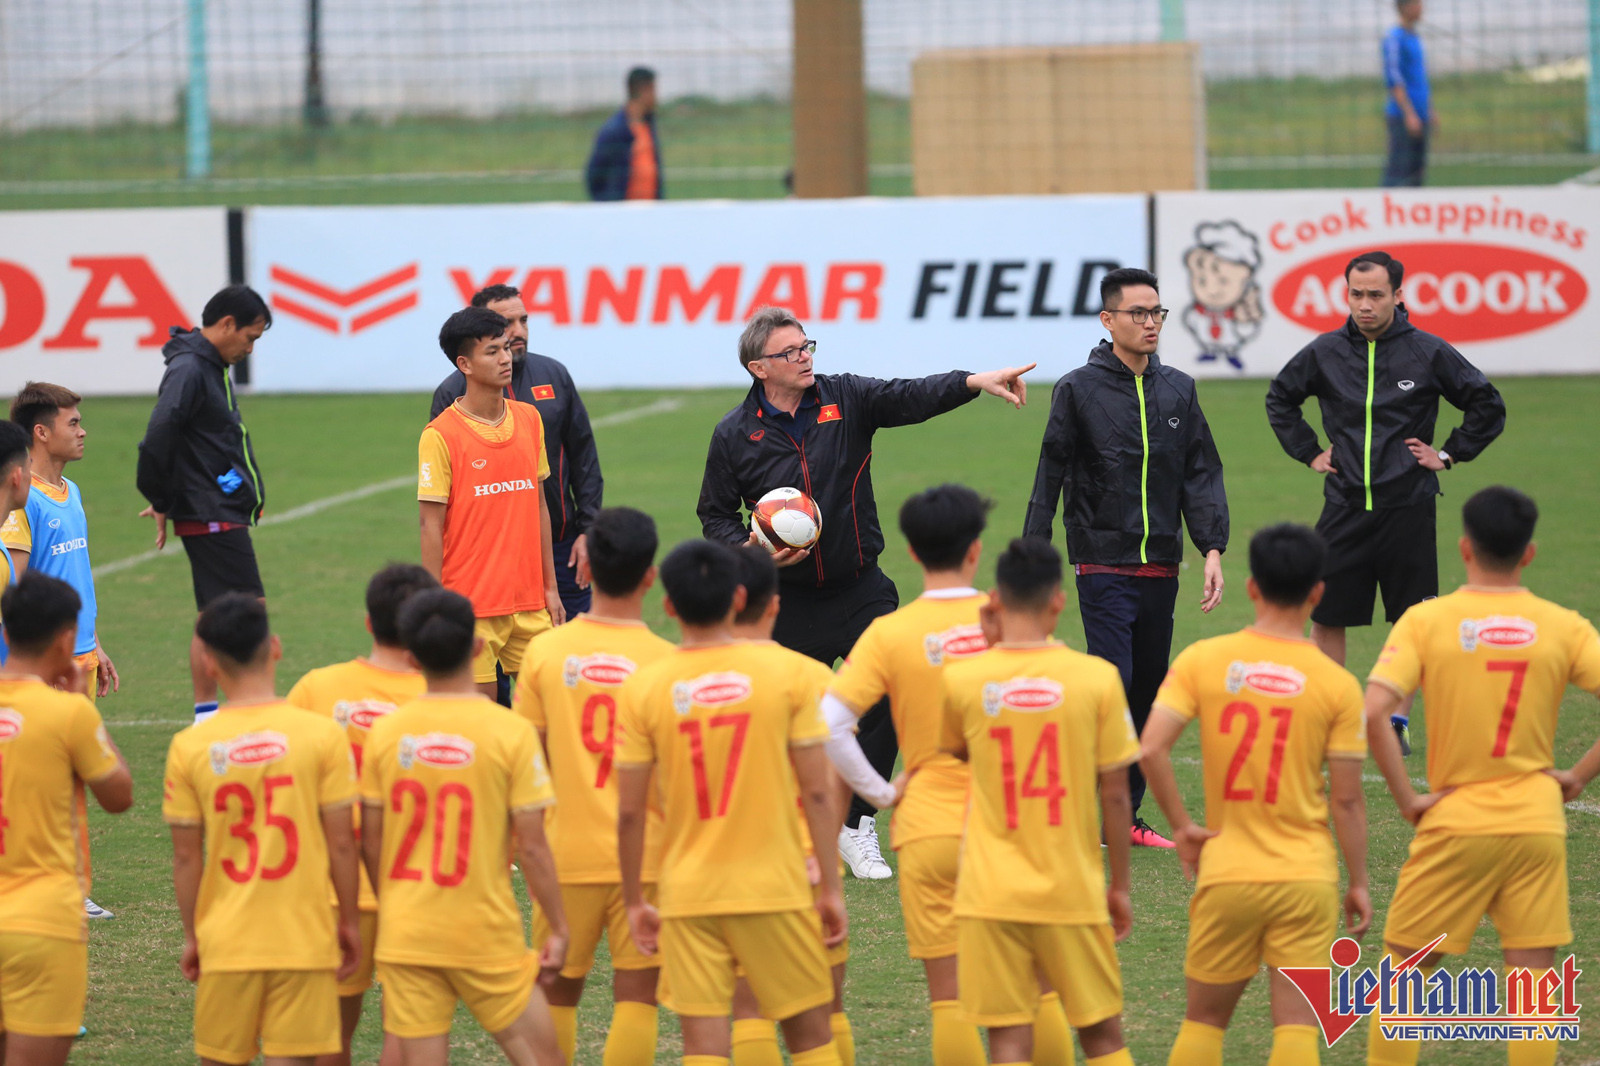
{"x": 639, "y": 79}
{"x": 1499, "y": 520}
{"x": 1115, "y": 281}
{"x": 622, "y": 545}
{"x": 1287, "y": 561}
{"x": 1027, "y": 572}
{"x": 239, "y": 302}
{"x": 467, "y": 326}
{"x": 14, "y": 444}
{"x": 234, "y": 628}
{"x": 700, "y": 577}
{"x": 493, "y": 294}
{"x": 387, "y": 592}
{"x": 437, "y": 627}
{"x": 39, "y": 402}
{"x": 1396, "y": 269}
{"x": 942, "y": 522}
{"x": 759, "y": 576}
{"x": 37, "y": 610}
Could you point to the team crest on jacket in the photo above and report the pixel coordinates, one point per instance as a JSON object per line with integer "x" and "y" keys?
{"x": 710, "y": 690}
{"x": 957, "y": 642}
{"x": 248, "y": 749}
{"x": 598, "y": 669}
{"x": 1269, "y": 679}
{"x": 1406, "y": 386}
{"x": 360, "y": 713}
{"x": 1497, "y": 631}
{"x": 1026, "y": 694}
{"x": 10, "y": 724}
{"x": 445, "y": 751}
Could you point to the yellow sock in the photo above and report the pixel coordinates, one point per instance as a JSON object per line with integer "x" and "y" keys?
{"x": 1383, "y": 1052}
{"x": 844, "y": 1038}
{"x": 1119, "y": 1057}
{"x": 1530, "y": 1053}
{"x": 755, "y": 1043}
{"x": 1052, "y": 1036}
{"x": 955, "y": 1040}
{"x": 632, "y": 1039}
{"x": 1296, "y": 1045}
{"x": 566, "y": 1023}
{"x": 825, "y": 1055}
{"x": 1198, "y": 1044}
{"x": 704, "y": 1060}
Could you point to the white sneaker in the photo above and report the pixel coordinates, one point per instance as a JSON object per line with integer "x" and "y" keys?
{"x": 859, "y": 849}
{"x": 94, "y": 910}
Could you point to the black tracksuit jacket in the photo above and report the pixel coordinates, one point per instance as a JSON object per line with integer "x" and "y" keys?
{"x": 1374, "y": 395}
{"x": 196, "y": 435}
{"x": 752, "y": 454}
{"x": 1130, "y": 455}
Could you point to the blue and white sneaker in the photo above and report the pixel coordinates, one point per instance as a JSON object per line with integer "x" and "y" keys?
{"x": 94, "y": 910}
{"x": 1402, "y": 732}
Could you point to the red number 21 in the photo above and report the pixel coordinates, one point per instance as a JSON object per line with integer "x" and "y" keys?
{"x": 740, "y": 723}
{"x": 1518, "y": 672}
{"x": 1241, "y": 755}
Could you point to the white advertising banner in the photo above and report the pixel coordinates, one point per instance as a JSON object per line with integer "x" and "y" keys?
{"x": 87, "y": 297}
{"x": 1504, "y": 274}
{"x": 655, "y": 294}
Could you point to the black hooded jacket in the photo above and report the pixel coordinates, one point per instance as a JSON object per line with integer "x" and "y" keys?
{"x": 1373, "y": 396}
{"x": 751, "y": 454}
{"x": 195, "y": 462}
{"x": 1130, "y": 455}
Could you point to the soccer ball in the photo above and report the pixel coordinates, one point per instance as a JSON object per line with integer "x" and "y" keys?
{"x": 786, "y": 518}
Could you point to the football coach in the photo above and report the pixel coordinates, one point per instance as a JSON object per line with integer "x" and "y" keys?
{"x": 1378, "y": 381}
{"x": 814, "y": 432}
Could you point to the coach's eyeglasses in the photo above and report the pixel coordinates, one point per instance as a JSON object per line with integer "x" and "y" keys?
{"x": 793, "y": 355}
{"x": 1141, "y": 315}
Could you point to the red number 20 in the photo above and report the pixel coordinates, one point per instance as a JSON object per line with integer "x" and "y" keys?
{"x": 402, "y": 870}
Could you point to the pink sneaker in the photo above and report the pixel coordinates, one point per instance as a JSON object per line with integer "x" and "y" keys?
{"x": 1145, "y": 837}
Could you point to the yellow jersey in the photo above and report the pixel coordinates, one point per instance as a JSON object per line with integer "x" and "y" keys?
{"x": 256, "y": 779}
{"x": 48, "y": 741}
{"x": 902, "y": 655}
{"x": 449, "y": 772}
{"x": 717, "y": 722}
{"x": 356, "y": 694}
{"x": 1493, "y": 664}
{"x": 1040, "y": 723}
{"x": 568, "y": 689}
{"x": 1272, "y": 711}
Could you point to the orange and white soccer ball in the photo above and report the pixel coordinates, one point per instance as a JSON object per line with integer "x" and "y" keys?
{"x": 786, "y": 518}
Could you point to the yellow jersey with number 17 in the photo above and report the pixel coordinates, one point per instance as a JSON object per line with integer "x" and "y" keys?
{"x": 717, "y": 723}
{"x": 1492, "y": 664}
{"x": 902, "y": 656}
{"x": 1040, "y": 723}
{"x": 1271, "y": 713}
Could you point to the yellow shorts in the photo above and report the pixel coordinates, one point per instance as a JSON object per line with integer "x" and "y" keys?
{"x": 591, "y": 911}
{"x": 361, "y": 980}
{"x": 1448, "y": 883}
{"x": 420, "y": 1001}
{"x": 287, "y": 1013}
{"x": 505, "y": 639}
{"x": 90, "y": 662}
{"x": 1233, "y": 928}
{"x": 999, "y": 964}
{"x": 928, "y": 895}
{"x": 782, "y": 955}
{"x": 43, "y": 982}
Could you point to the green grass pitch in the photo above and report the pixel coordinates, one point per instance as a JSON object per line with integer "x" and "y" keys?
{"x": 315, "y": 566}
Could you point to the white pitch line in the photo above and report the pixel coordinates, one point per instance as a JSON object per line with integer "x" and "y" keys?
{"x": 306, "y": 510}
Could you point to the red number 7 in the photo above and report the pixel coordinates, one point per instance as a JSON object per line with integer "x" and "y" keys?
{"x": 1518, "y": 671}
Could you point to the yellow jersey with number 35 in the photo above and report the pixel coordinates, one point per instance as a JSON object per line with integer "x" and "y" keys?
{"x": 1492, "y": 664}
{"x": 902, "y": 656}
{"x": 448, "y": 773}
{"x": 1271, "y": 713}
{"x": 256, "y": 779}
{"x": 1040, "y": 723}
{"x": 717, "y": 723}
{"x": 568, "y": 689}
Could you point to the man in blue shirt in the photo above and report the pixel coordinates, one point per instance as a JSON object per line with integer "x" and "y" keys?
{"x": 1409, "y": 112}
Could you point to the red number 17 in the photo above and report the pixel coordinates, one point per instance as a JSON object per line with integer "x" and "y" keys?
{"x": 740, "y": 724}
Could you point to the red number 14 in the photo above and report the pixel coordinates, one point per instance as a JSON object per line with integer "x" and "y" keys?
{"x": 1046, "y": 757}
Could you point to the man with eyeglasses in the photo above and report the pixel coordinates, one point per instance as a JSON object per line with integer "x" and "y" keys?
{"x": 814, "y": 432}
{"x": 1128, "y": 455}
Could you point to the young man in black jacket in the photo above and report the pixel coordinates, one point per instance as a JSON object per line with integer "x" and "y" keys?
{"x": 196, "y": 465}
{"x": 814, "y": 432}
{"x": 1129, "y": 452}
{"x": 1378, "y": 381}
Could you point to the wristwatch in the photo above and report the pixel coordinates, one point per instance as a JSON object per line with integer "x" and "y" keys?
{"x": 1444, "y": 457}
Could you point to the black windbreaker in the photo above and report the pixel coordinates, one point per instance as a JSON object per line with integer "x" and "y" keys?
{"x": 1130, "y": 455}
{"x": 1374, "y": 395}
{"x": 752, "y": 454}
{"x": 573, "y": 491}
{"x": 196, "y": 436}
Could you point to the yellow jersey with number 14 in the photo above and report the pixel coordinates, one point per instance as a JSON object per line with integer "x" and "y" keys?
{"x": 1492, "y": 664}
